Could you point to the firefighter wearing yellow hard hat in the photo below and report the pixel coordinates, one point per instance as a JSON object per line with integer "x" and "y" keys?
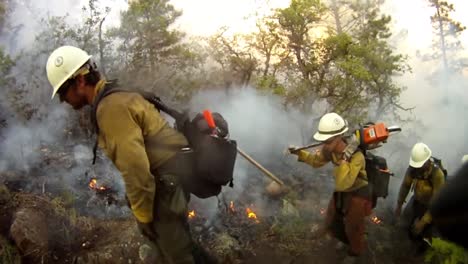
{"x": 126, "y": 123}
{"x": 350, "y": 203}
{"x": 425, "y": 175}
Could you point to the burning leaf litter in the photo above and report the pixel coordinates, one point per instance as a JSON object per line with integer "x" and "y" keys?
{"x": 231, "y": 207}
{"x": 94, "y": 185}
{"x": 191, "y": 214}
{"x": 251, "y": 215}
{"x": 376, "y": 220}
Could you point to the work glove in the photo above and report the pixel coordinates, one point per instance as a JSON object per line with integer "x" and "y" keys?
{"x": 293, "y": 150}
{"x": 147, "y": 230}
{"x": 351, "y": 148}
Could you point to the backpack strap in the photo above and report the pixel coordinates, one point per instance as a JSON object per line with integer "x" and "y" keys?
{"x": 435, "y": 165}
{"x": 113, "y": 87}
{"x": 109, "y": 88}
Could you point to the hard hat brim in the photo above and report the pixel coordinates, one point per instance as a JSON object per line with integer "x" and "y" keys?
{"x": 324, "y": 137}
{"x": 57, "y": 87}
{"x": 418, "y": 164}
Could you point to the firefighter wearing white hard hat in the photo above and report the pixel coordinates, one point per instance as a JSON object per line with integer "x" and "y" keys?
{"x": 350, "y": 203}
{"x": 64, "y": 64}
{"x": 160, "y": 209}
{"x": 330, "y": 125}
{"x": 426, "y": 176}
{"x": 419, "y": 155}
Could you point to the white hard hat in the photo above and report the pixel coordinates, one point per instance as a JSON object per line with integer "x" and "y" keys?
{"x": 419, "y": 155}
{"x": 63, "y": 63}
{"x": 465, "y": 159}
{"x": 330, "y": 125}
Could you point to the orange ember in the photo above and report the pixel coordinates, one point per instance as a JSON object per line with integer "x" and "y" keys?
{"x": 251, "y": 215}
{"x": 376, "y": 220}
{"x": 231, "y": 207}
{"x": 322, "y": 211}
{"x": 191, "y": 214}
{"x": 93, "y": 185}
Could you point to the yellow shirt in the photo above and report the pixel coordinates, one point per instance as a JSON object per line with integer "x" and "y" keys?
{"x": 425, "y": 189}
{"x": 349, "y": 176}
{"x": 129, "y": 125}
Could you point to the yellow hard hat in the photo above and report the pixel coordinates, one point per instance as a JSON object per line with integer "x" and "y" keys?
{"x": 62, "y": 65}
{"x": 419, "y": 155}
{"x": 330, "y": 125}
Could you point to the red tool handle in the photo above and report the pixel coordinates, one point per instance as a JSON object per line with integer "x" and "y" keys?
{"x": 209, "y": 118}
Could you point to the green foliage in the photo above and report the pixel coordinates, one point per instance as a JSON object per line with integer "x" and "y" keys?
{"x": 146, "y": 35}
{"x": 58, "y": 205}
{"x": 295, "y": 56}
{"x": 152, "y": 55}
{"x": 291, "y": 233}
{"x": 3, "y": 13}
{"x": 8, "y": 253}
{"x": 235, "y": 56}
{"x": 444, "y": 252}
{"x": 446, "y": 32}
{"x": 270, "y": 84}
{"x": 68, "y": 198}
{"x": 57, "y": 31}
{"x": 6, "y": 65}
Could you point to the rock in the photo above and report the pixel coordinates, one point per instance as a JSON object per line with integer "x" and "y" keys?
{"x": 226, "y": 247}
{"x": 29, "y": 231}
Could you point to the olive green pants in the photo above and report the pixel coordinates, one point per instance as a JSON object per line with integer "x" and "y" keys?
{"x": 174, "y": 242}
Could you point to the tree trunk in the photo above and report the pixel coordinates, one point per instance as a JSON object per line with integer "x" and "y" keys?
{"x": 101, "y": 48}
{"x": 442, "y": 38}
{"x": 267, "y": 64}
{"x": 336, "y": 16}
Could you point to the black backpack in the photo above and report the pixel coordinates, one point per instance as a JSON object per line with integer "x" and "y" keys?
{"x": 378, "y": 176}
{"x": 214, "y": 155}
{"x": 437, "y": 164}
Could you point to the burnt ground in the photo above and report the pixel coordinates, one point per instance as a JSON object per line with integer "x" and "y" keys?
{"x": 230, "y": 235}
{"x": 48, "y": 219}
{"x": 289, "y": 236}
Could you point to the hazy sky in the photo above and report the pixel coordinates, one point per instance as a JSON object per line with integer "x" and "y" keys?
{"x": 205, "y": 17}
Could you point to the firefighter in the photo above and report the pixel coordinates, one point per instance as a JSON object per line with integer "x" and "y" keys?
{"x": 426, "y": 178}
{"x": 350, "y": 203}
{"x": 464, "y": 159}
{"x": 128, "y": 125}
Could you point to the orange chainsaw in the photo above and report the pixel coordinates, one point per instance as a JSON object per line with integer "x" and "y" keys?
{"x": 371, "y": 135}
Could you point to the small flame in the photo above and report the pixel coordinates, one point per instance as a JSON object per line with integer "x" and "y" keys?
{"x": 376, "y": 220}
{"x": 251, "y": 215}
{"x": 322, "y": 211}
{"x": 191, "y": 214}
{"x": 231, "y": 207}
{"x": 93, "y": 185}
